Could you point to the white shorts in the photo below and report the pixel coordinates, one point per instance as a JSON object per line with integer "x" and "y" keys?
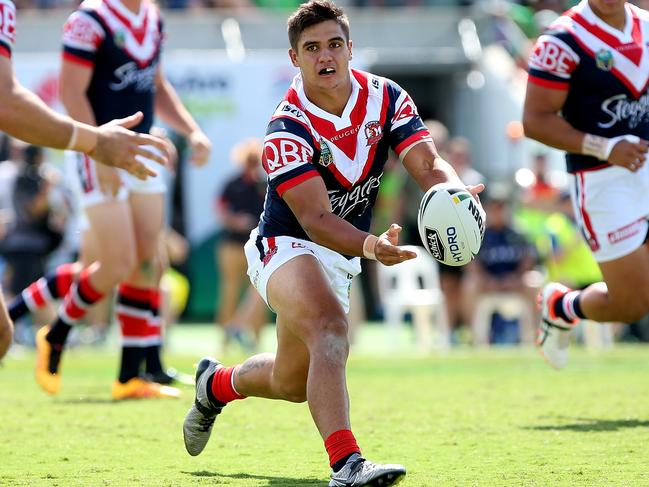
{"x": 266, "y": 255}
{"x": 611, "y": 208}
{"x": 91, "y": 193}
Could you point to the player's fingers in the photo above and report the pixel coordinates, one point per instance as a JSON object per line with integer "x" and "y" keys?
{"x": 475, "y": 189}
{"x": 407, "y": 254}
{"x": 151, "y": 155}
{"x": 160, "y": 144}
{"x": 130, "y": 121}
{"x": 140, "y": 170}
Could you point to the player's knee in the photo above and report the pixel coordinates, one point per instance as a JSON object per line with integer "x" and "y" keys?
{"x": 634, "y": 311}
{"x": 120, "y": 268}
{"x": 331, "y": 338}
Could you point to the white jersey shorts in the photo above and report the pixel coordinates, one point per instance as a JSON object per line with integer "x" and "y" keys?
{"x": 91, "y": 193}
{"x": 611, "y": 208}
{"x": 266, "y": 255}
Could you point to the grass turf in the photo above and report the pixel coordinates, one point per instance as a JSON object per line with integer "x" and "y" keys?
{"x": 487, "y": 418}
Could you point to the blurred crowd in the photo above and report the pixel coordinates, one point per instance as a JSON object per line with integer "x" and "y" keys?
{"x": 530, "y": 238}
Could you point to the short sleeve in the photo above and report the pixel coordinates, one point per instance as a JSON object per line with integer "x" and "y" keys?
{"x": 288, "y": 154}
{"x": 7, "y": 27}
{"x": 406, "y": 126}
{"x": 82, "y": 36}
{"x": 552, "y": 62}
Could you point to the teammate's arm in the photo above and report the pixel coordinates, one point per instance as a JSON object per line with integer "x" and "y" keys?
{"x": 74, "y": 80}
{"x": 171, "y": 110}
{"x": 542, "y": 121}
{"x": 309, "y": 203}
{"x": 23, "y": 115}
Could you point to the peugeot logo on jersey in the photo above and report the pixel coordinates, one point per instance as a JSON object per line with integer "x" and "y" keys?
{"x": 604, "y": 59}
{"x": 326, "y": 157}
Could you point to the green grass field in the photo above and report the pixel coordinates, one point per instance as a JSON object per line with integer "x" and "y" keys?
{"x": 497, "y": 417}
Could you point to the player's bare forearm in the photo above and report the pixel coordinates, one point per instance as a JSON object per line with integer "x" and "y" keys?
{"x": 552, "y": 130}
{"x": 333, "y": 232}
{"x": 427, "y": 168}
{"x": 24, "y": 116}
{"x": 72, "y": 91}
{"x": 170, "y": 109}
{"x": 542, "y": 122}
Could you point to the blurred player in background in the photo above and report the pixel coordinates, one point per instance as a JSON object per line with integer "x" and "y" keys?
{"x": 586, "y": 95}
{"x": 324, "y": 152}
{"x": 111, "y": 64}
{"x": 24, "y": 116}
{"x": 238, "y": 208}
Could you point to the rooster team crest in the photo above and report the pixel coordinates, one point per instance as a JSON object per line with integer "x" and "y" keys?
{"x": 604, "y": 59}
{"x": 373, "y": 132}
{"x": 326, "y": 157}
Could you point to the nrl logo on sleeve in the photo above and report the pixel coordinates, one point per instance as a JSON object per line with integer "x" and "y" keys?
{"x": 326, "y": 157}
{"x": 373, "y": 132}
{"x": 604, "y": 60}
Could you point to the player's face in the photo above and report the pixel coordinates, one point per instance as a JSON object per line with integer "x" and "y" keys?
{"x": 607, "y": 8}
{"x": 323, "y": 55}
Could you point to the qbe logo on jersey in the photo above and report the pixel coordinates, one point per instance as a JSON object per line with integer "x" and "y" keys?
{"x": 7, "y": 22}
{"x": 435, "y": 244}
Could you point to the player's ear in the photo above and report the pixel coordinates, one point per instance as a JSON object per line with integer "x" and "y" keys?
{"x": 293, "y": 55}
{"x": 349, "y": 46}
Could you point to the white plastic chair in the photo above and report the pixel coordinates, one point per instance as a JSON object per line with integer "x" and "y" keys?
{"x": 509, "y": 306}
{"x": 413, "y": 286}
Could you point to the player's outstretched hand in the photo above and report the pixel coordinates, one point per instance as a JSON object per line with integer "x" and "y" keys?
{"x": 387, "y": 250}
{"x": 631, "y": 155}
{"x": 200, "y": 146}
{"x": 119, "y": 147}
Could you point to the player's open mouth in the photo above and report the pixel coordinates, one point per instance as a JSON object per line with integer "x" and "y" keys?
{"x": 326, "y": 71}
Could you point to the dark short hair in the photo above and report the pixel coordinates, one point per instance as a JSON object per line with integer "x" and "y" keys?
{"x": 312, "y": 13}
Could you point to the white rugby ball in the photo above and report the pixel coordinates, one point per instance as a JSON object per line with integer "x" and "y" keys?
{"x": 451, "y": 224}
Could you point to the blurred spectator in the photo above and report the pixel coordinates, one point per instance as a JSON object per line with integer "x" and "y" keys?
{"x": 458, "y": 155}
{"x": 538, "y": 200}
{"x": 501, "y": 267}
{"x": 569, "y": 259}
{"x": 35, "y": 232}
{"x": 238, "y": 209}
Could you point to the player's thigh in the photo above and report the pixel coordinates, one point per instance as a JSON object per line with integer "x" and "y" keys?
{"x": 301, "y": 295}
{"x": 148, "y": 221}
{"x": 111, "y": 224}
{"x": 627, "y": 279}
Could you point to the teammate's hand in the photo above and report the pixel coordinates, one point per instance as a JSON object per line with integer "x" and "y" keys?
{"x": 387, "y": 251}
{"x": 200, "y": 146}
{"x": 629, "y": 155}
{"x": 119, "y": 147}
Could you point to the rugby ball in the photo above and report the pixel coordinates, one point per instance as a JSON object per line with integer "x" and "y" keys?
{"x": 451, "y": 224}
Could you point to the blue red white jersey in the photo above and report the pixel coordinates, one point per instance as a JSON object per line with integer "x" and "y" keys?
{"x": 604, "y": 70}
{"x": 7, "y": 27}
{"x": 348, "y": 152}
{"x": 123, "y": 50}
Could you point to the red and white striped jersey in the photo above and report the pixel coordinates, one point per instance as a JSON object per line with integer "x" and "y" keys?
{"x": 604, "y": 70}
{"x": 7, "y": 27}
{"x": 348, "y": 152}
